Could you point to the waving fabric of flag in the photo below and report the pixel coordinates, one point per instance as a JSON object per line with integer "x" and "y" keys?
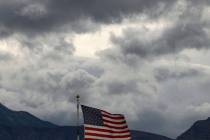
{"x": 102, "y": 125}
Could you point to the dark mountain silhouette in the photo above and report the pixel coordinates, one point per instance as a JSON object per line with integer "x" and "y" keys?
{"x": 19, "y": 125}
{"x": 199, "y": 131}
{"x": 20, "y": 119}
{"x": 140, "y": 135}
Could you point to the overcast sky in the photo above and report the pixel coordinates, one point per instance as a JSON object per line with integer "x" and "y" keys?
{"x": 147, "y": 59}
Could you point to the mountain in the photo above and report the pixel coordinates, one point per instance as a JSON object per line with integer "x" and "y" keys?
{"x": 140, "y": 135}
{"x": 199, "y": 131}
{"x": 20, "y": 125}
{"x": 20, "y": 119}
{"x": 34, "y": 133}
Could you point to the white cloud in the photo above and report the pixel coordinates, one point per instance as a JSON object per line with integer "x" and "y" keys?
{"x": 88, "y": 44}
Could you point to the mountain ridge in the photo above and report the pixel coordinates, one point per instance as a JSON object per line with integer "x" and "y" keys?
{"x": 12, "y": 118}
{"x": 200, "y": 130}
{"x": 21, "y": 125}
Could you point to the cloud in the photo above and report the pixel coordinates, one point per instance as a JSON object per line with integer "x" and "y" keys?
{"x": 77, "y": 82}
{"x": 106, "y": 10}
{"x": 45, "y": 83}
{"x": 33, "y": 11}
{"x": 165, "y": 35}
{"x": 173, "y": 40}
{"x": 5, "y": 56}
{"x": 52, "y": 15}
{"x": 163, "y": 74}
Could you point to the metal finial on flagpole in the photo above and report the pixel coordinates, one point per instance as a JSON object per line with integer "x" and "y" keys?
{"x": 78, "y": 127}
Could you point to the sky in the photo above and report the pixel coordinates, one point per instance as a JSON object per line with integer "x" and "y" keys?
{"x": 146, "y": 59}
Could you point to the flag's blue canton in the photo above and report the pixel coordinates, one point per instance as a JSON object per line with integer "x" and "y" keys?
{"x": 92, "y": 116}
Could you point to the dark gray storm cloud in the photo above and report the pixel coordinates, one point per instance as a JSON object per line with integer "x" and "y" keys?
{"x": 103, "y": 10}
{"x": 189, "y": 30}
{"x": 172, "y": 40}
{"x": 51, "y": 15}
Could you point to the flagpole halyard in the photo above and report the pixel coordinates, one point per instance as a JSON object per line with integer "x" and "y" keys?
{"x": 78, "y": 127}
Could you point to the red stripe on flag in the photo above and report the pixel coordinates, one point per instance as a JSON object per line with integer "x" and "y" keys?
{"x": 123, "y": 122}
{"x": 111, "y": 117}
{"x": 116, "y": 127}
{"x": 105, "y": 130}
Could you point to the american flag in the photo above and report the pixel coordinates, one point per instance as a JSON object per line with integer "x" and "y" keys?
{"x": 102, "y": 125}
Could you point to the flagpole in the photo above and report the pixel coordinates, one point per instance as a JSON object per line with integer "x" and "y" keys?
{"x": 78, "y": 127}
